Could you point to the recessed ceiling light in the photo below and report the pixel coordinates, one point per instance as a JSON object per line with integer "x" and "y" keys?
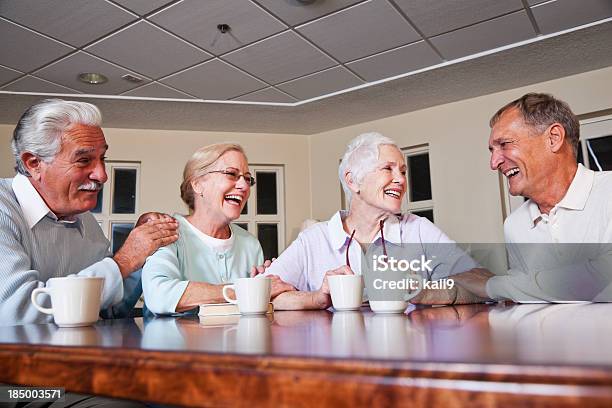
{"x": 92, "y": 78}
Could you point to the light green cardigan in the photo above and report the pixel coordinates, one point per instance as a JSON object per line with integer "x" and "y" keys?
{"x": 167, "y": 272}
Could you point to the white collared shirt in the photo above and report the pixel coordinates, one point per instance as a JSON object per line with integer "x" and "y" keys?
{"x": 37, "y": 246}
{"x": 583, "y": 215}
{"x": 33, "y": 206}
{"x": 551, "y": 255}
{"x": 322, "y": 248}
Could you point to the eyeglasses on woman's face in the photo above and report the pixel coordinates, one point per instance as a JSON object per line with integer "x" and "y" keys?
{"x": 234, "y": 175}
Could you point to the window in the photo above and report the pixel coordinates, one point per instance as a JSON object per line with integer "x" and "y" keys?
{"x": 595, "y": 150}
{"x": 419, "y": 198}
{"x": 118, "y": 202}
{"x": 264, "y": 213}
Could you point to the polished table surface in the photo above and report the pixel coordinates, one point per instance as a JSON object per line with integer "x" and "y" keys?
{"x": 477, "y": 355}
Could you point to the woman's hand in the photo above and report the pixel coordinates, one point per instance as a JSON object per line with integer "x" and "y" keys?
{"x": 322, "y": 296}
{"x": 278, "y": 285}
{"x": 150, "y": 216}
{"x": 258, "y": 270}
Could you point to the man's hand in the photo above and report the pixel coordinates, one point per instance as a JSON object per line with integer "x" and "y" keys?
{"x": 157, "y": 231}
{"x": 322, "y": 296}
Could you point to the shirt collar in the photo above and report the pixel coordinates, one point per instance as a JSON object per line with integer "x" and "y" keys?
{"x": 33, "y": 206}
{"x": 575, "y": 198}
{"x": 339, "y": 237}
{"x": 578, "y": 192}
{"x": 534, "y": 213}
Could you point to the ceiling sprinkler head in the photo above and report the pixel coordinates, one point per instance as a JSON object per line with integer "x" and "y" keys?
{"x": 223, "y": 28}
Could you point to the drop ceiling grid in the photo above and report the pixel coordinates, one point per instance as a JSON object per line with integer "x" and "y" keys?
{"x": 136, "y": 13}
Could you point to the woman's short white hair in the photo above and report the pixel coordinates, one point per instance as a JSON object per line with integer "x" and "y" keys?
{"x": 361, "y": 157}
{"x": 40, "y": 129}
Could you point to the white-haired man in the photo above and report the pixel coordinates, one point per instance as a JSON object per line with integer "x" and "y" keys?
{"x": 46, "y": 229}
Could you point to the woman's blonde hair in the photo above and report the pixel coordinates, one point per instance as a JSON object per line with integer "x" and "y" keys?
{"x": 199, "y": 164}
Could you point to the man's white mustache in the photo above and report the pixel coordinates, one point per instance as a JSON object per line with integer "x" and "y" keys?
{"x": 92, "y": 185}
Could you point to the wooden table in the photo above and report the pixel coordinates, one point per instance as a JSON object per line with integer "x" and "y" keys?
{"x": 477, "y": 355}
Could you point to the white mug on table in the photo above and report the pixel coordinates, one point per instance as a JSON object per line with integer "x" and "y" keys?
{"x": 252, "y": 294}
{"x": 75, "y": 300}
{"x": 346, "y": 291}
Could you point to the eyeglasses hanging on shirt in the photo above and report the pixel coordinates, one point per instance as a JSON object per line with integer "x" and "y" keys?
{"x": 382, "y": 238}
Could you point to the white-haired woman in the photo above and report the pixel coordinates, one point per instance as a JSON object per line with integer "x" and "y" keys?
{"x": 373, "y": 176}
{"x": 210, "y": 251}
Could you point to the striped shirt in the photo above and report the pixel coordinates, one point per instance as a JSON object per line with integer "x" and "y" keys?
{"x": 35, "y": 246}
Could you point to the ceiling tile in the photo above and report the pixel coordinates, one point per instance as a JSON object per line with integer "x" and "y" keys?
{"x": 157, "y": 90}
{"x": 298, "y": 11}
{"x": 7, "y": 75}
{"x": 17, "y": 44}
{"x": 360, "y": 31}
{"x": 321, "y": 83}
{"x": 148, "y": 50}
{"x": 267, "y": 95}
{"x": 66, "y": 71}
{"x": 142, "y": 7}
{"x": 33, "y": 84}
{"x": 484, "y": 36}
{"x": 280, "y": 58}
{"x": 436, "y": 17}
{"x": 563, "y": 14}
{"x": 76, "y": 22}
{"x": 197, "y": 21}
{"x": 214, "y": 80}
{"x": 532, "y": 2}
{"x": 395, "y": 62}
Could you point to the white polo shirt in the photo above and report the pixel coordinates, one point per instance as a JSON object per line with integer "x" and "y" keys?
{"x": 552, "y": 267}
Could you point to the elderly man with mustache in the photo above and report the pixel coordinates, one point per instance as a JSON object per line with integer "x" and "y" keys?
{"x": 46, "y": 229}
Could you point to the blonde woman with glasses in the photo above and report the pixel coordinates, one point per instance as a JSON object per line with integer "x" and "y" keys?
{"x": 210, "y": 251}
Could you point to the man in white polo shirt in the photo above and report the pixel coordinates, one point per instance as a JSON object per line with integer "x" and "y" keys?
{"x": 559, "y": 241}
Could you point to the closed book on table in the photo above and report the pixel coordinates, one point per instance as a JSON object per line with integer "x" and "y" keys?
{"x": 224, "y": 309}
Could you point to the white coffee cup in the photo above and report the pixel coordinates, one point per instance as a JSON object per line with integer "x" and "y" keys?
{"x": 346, "y": 291}
{"x": 388, "y": 306}
{"x": 252, "y": 294}
{"x": 75, "y": 300}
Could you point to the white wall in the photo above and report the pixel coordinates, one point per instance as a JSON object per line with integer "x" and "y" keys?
{"x": 466, "y": 193}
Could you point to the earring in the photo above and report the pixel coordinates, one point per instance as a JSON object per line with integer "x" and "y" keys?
{"x": 202, "y": 195}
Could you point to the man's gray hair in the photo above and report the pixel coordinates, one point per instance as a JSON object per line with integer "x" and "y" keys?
{"x": 40, "y": 129}
{"x": 541, "y": 110}
{"x": 360, "y": 158}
